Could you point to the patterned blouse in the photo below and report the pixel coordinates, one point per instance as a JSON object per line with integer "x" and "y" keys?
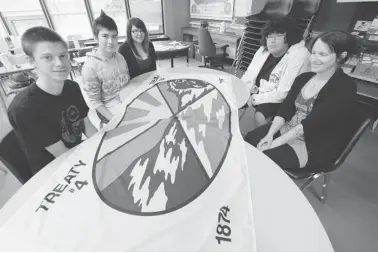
{"x": 303, "y": 108}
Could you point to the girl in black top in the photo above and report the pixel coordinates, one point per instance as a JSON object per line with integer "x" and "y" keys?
{"x": 311, "y": 125}
{"x": 137, "y": 50}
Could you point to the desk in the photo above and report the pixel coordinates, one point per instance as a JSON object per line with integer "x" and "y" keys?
{"x": 171, "y": 49}
{"x": 159, "y": 37}
{"x": 6, "y": 72}
{"x": 6, "y": 93}
{"x": 121, "y": 40}
{"x": 75, "y": 50}
{"x": 367, "y": 90}
{"x": 366, "y": 86}
{"x": 80, "y": 60}
{"x": 231, "y": 39}
{"x": 93, "y": 43}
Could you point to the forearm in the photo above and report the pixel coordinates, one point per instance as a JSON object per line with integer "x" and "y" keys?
{"x": 278, "y": 122}
{"x": 273, "y": 96}
{"x": 253, "y": 91}
{"x": 293, "y": 134}
{"x": 248, "y": 78}
{"x": 89, "y": 130}
{"x": 104, "y": 112}
{"x": 57, "y": 148}
{"x": 91, "y": 89}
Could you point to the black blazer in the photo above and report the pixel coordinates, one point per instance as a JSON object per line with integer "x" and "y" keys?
{"x": 326, "y": 127}
{"x": 131, "y": 60}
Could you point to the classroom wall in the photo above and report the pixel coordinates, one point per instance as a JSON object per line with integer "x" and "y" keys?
{"x": 333, "y": 15}
{"x": 176, "y": 16}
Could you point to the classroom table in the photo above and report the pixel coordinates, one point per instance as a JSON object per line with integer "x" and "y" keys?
{"x": 284, "y": 219}
{"x": 21, "y": 68}
{"x": 75, "y": 50}
{"x": 171, "y": 49}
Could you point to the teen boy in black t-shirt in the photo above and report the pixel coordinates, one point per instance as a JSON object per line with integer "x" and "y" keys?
{"x": 49, "y": 116}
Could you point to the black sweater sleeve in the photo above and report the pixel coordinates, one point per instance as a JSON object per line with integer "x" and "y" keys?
{"x": 125, "y": 51}
{"x": 331, "y": 104}
{"x": 153, "y": 57}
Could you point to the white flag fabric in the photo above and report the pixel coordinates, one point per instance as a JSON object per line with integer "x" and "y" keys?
{"x": 169, "y": 173}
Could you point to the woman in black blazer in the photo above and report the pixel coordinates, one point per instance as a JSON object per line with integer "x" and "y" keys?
{"x": 311, "y": 125}
{"x": 137, "y": 50}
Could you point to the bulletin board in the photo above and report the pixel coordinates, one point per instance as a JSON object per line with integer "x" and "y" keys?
{"x": 212, "y": 9}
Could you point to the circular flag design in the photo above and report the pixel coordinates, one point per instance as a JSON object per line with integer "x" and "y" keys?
{"x": 166, "y": 150}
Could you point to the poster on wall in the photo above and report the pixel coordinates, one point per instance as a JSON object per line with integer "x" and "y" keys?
{"x": 212, "y": 9}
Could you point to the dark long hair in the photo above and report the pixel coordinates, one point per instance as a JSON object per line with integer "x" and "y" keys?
{"x": 138, "y": 23}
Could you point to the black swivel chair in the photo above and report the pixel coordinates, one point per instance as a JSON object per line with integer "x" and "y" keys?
{"x": 212, "y": 53}
{"x": 361, "y": 117}
{"x": 13, "y": 158}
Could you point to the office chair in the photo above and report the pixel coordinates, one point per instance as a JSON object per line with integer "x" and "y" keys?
{"x": 361, "y": 117}
{"x": 13, "y": 158}
{"x": 211, "y": 53}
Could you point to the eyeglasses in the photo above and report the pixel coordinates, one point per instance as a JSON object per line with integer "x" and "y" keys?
{"x": 137, "y": 31}
{"x": 276, "y": 36}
